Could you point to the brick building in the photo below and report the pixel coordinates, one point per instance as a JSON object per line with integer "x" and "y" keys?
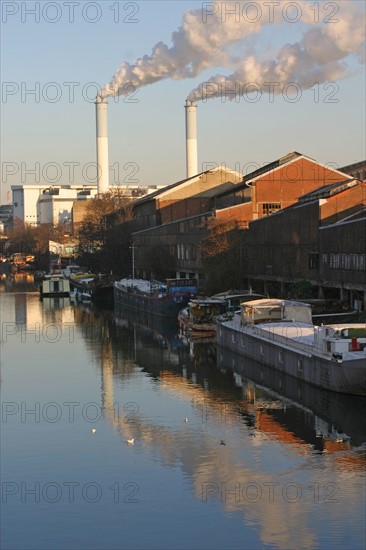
{"x": 174, "y": 221}
{"x": 176, "y": 218}
{"x": 321, "y": 239}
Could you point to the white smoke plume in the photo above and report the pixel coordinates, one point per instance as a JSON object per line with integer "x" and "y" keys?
{"x": 320, "y": 56}
{"x": 208, "y": 37}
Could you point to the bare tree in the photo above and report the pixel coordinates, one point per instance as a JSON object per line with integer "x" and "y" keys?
{"x": 103, "y": 234}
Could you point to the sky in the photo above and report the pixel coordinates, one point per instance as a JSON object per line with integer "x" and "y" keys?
{"x": 55, "y": 57}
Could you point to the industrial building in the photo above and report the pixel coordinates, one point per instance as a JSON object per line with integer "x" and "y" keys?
{"x": 37, "y": 204}
{"x": 177, "y": 217}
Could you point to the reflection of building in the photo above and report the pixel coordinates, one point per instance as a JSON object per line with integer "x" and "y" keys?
{"x": 278, "y": 455}
{"x": 20, "y": 302}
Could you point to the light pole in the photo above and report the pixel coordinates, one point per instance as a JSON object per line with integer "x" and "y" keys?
{"x": 133, "y": 260}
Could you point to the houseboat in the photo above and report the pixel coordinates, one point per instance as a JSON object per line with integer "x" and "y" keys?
{"x": 198, "y": 319}
{"x": 54, "y": 286}
{"x": 90, "y": 286}
{"x": 154, "y": 297}
{"x": 280, "y": 333}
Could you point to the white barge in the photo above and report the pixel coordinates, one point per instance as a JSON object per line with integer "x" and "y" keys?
{"x": 280, "y": 333}
{"x": 54, "y": 286}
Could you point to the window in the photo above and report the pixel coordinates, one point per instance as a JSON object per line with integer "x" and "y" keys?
{"x": 334, "y": 261}
{"x": 270, "y": 207}
{"x": 345, "y": 261}
{"x": 354, "y": 260}
{"x": 313, "y": 260}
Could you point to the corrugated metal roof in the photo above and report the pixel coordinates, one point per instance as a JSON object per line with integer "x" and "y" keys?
{"x": 329, "y": 190}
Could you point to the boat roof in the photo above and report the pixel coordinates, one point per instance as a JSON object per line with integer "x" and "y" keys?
{"x": 273, "y": 302}
{"x": 299, "y": 332}
{"x": 236, "y": 293}
{"x": 339, "y": 326}
{"x": 207, "y": 301}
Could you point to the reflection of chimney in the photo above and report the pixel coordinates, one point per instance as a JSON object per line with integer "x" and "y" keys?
{"x": 102, "y": 145}
{"x": 191, "y": 138}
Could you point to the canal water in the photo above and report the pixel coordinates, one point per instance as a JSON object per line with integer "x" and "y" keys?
{"x": 117, "y": 435}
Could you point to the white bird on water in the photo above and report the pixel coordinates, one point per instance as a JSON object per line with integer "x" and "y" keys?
{"x": 186, "y": 419}
{"x": 131, "y": 441}
{"x": 93, "y": 431}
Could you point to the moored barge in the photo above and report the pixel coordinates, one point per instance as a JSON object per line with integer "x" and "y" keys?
{"x": 154, "y": 297}
{"x": 280, "y": 333}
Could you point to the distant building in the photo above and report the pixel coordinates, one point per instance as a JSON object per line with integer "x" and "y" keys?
{"x": 6, "y": 216}
{"x": 356, "y": 170}
{"x": 37, "y": 204}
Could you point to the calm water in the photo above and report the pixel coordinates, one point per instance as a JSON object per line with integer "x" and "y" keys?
{"x": 253, "y": 467}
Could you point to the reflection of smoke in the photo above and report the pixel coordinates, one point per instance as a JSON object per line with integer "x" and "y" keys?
{"x": 208, "y": 37}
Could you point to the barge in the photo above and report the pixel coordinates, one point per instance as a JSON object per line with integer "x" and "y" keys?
{"x": 280, "y": 334}
{"x": 54, "y": 286}
{"x": 154, "y": 297}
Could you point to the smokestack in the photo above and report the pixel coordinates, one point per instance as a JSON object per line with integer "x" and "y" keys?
{"x": 102, "y": 145}
{"x": 191, "y": 138}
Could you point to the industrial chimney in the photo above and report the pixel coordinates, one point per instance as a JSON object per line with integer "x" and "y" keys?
{"x": 191, "y": 138}
{"x": 102, "y": 145}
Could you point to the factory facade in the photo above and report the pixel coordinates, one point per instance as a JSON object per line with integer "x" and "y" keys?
{"x": 178, "y": 216}
{"x": 291, "y": 220}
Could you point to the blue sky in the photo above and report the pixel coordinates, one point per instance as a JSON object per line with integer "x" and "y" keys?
{"x": 147, "y": 137}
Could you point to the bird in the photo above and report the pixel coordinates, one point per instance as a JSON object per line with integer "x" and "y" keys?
{"x": 93, "y": 431}
{"x": 131, "y": 441}
{"x": 186, "y": 419}
{"x": 222, "y": 442}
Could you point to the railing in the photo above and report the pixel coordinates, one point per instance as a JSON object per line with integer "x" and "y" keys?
{"x": 271, "y": 336}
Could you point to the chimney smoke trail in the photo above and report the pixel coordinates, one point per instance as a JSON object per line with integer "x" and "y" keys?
{"x": 217, "y": 35}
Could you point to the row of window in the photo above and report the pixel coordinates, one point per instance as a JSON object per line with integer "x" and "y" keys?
{"x": 192, "y": 224}
{"x": 186, "y": 252}
{"x": 345, "y": 261}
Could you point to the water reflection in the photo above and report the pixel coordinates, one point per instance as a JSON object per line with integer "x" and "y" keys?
{"x": 284, "y": 457}
{"x": 337, "y": 420}
{"x": 311, "y": 423}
